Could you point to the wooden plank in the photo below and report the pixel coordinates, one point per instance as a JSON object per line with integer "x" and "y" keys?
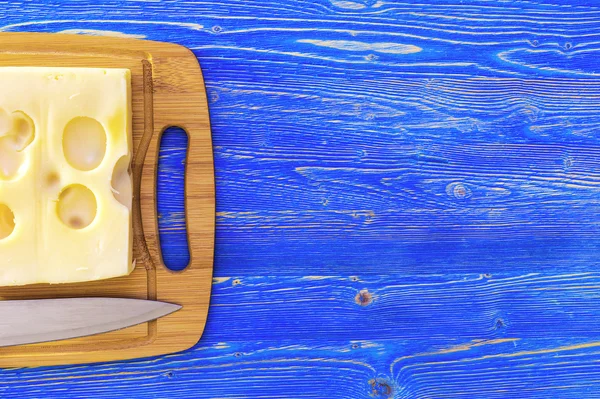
{"x": 448, "y": 307}
{"x": 449, "y": 38}
{"x": 428, "y": 189}
{"x": 532, "y": 369}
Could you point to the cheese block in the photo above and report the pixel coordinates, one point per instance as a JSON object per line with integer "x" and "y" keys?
{"x": 65, "y": 184}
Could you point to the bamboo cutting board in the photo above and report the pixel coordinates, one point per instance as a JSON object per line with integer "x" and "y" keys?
{"x": 167, "y": 90}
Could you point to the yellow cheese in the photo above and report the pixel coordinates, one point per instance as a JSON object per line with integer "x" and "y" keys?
{"x": 65, "y": 186}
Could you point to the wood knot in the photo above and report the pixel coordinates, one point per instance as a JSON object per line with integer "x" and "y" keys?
{"x": 500, "y": 324}
{"x": 568, "y": 162}
{"x": 363, "y": 298}
{"x": 458, "y": 191}
{"x": 380, "y": 388}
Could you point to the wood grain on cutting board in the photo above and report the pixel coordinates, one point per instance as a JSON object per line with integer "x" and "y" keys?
{"x": 167, "y": 90}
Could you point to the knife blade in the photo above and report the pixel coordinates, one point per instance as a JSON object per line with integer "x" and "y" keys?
{"x": 42, "y": 320}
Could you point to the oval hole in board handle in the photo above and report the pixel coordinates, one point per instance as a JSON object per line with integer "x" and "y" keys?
{"x": 170, "y": 197}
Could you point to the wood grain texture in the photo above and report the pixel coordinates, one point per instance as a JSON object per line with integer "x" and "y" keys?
{"x": 407, "y": 307}
{"x": 441, "y": 156}
{"x": 356, "y": 369}
{"x": 167, "y": 89}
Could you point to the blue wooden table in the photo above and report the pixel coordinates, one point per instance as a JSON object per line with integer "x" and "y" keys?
{"x": 408, "y": 199}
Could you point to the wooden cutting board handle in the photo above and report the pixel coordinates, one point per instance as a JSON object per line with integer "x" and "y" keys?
{"x": 178, "y": 106}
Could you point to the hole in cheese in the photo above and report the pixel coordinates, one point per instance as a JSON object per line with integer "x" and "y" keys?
{"x": 121, "y": 182}
{"x": 84, "y": 143}
{"x": 77, "y": 206}
{"x": 10, "y": 159}
{"x": 23, "y": 131}
{"x": 7, "y": 221}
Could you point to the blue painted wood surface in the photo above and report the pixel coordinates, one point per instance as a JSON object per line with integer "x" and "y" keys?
{"x": 407, "y": 194}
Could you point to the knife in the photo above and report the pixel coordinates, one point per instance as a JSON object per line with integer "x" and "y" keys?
{"x": 42, "y": 320}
